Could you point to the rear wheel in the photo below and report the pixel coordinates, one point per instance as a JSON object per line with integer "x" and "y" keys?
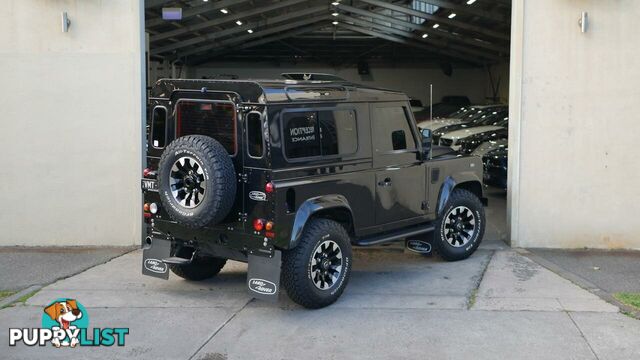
{"x": 200, "y": 268}
{"x": 316, "y": 272}
{"x": 460, "y": 229}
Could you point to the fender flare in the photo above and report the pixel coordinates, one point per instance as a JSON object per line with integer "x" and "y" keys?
{"x": 312, "y": 206}
{"x": 445, "y": 193}
{"x": 449, "y": 185}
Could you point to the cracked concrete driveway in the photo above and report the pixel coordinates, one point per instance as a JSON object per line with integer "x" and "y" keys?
{"x": 496, "y": 304}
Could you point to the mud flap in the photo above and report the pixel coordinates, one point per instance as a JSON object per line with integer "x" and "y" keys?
{"x": 152, "y": 264}
{"x": 263, "y": 277}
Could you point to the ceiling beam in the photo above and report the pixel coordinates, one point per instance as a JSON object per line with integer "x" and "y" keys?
{"x": 225, "y": 19}
{"x": 263, "y": 32}
{"x": 441, "y": 20}
{"x": 473, "y": 9}
{"x": 155, "y": 3}
{"x": 416, "y": 44}
{"x": 410, "y": 35}
{"x": 197, "y": 10}
{"x": 246, "y": 45}
{"x": 256, "y": 26}
{"x": 425, "y": 29}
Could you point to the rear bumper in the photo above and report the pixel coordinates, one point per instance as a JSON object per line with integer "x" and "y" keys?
{"x": 218, "y": 242}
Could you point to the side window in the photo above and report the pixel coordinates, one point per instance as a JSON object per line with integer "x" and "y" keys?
{"x": 301, "y": 134}
{"x": 159, "y": 127}
{"x": 254, "y": 135}
{"x": 320, "y": 133}
{"x": 338, "y": 132}
{"x": 393, "y": 131}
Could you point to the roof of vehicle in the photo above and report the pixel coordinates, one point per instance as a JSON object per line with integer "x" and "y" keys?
{"x": 279, "y": 91}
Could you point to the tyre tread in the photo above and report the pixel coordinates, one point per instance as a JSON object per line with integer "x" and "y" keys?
{"x": 294, "y": 264}
{"x": 222, "y": 171}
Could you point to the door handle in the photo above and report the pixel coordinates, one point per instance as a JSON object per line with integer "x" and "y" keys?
{"x": 385, "y": 182}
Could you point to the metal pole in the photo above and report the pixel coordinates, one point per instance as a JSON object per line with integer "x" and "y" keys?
{"x": 431, "y": 101}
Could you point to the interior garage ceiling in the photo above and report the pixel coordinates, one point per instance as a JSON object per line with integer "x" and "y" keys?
{"x": 338, "y": 33}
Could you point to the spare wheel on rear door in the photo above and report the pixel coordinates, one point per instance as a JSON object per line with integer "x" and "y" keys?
{"x": 196, "y": 181}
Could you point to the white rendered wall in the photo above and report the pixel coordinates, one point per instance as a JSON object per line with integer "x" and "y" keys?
{"x": 70, "y": 124}
{"x": 574, "y": 110}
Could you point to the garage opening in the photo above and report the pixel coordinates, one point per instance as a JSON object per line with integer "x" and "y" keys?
{"x": 451, "y": 57}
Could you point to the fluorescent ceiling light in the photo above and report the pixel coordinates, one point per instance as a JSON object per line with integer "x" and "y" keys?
{"x": 335, "y": 23}
{"x": 452, "y": 15}
{"x": 470, "y": 2}
{"x": 424, "y": 36}
{"x": 335, "y": 14}
{"x": 239, "y": 22}
{"x": 435, "y": 26}
{"x": 172, "y": 13}
{"x": 335, "y": 3}
{"x": 224, "y": 11}
{"x": 250, "y": 31}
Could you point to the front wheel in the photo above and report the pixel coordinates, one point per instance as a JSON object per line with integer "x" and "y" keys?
{"x": 315, "y": 272}
{"x": 461, "y": 227}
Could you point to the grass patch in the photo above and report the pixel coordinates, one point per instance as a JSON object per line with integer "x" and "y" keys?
{"x": 4, "y": 294}
{"x": 473, "y": 298}
{"x": 23, "y": 299}
{"x": 631, "y": 299}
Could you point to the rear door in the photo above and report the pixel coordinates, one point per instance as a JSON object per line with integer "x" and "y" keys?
{"x": 399, "y": 172}
{"x": 215, "y": 115}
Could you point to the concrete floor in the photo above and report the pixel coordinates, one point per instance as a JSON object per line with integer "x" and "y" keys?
{"x": 400, "y": 305}
{"x": 22, "y": 267}
{"x": 611, "y": 270}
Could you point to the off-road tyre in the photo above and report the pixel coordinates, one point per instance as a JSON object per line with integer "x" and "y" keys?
{"x": 299, "y": 271}
{"x": 217, "y": 180}
{"x": 463, "y": 205}
{"x": 201, "y": 268}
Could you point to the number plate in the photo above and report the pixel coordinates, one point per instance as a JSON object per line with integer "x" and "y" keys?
{"x": 149, "y": 185}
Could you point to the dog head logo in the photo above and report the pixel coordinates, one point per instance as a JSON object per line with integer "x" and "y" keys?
{"x": 64, "y": 312}
{"x": 67, "y": 315}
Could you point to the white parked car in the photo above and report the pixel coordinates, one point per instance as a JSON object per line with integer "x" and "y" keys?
{"x": 453, "y": 138}
{"x": 463, "y": 115}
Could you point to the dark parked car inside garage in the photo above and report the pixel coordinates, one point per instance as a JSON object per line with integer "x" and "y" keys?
{"x": 495, "y": 168}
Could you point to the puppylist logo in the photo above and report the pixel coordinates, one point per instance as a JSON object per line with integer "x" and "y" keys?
{"x": 65, "y": 323}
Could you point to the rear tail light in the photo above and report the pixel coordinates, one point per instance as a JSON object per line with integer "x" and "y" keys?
{"x": 258, "y": 224}
{"x": 146, "y": 207}
{"x": 269, "y": 187}
{"x": 148, "y": 172}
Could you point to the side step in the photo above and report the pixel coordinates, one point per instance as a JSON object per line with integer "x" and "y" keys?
{"x": 394, "y": 236}
{"x": 174, "y": 260}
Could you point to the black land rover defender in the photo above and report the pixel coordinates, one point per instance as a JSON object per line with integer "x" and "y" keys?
{"x": 288, "y": 175}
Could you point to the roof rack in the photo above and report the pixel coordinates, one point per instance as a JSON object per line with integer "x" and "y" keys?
{"x": 311, "y": 76}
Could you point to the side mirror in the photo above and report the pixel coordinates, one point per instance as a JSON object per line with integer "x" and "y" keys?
{"x": 426, "y": 142}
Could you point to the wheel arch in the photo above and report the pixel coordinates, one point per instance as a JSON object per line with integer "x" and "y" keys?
{"x": 334, "y": 207}
{"x": 474, "y": 186}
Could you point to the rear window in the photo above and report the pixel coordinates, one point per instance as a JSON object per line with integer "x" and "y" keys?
{"x": 254, "y": 135}
{"x": 159, "y": 127}
{"x": 213, "y": 119}
{"x": 319, "y": 133}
